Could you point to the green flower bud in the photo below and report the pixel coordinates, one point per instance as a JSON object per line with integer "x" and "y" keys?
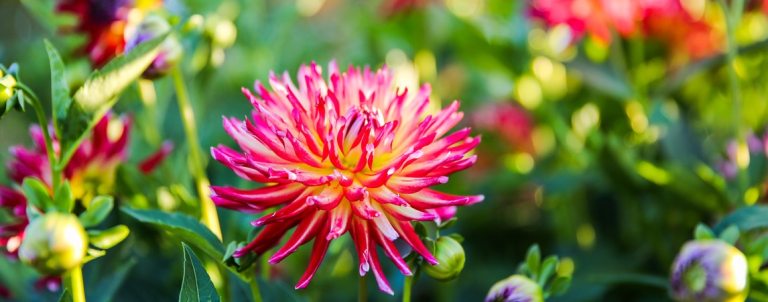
{"x": 516, "y": 288}
{"x": 7, "y": 87}
{"x": 450, "y": 257}
{"x": 222, "y": 31}
{"x": 54, "y": 243}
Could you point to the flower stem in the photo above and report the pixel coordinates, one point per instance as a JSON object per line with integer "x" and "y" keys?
{"x": 255, "y": 290}
{"x": 40, "y": 113}
{"x": 407, "y": 286}
{"x": 409, "y": 280}
{"x": 362, "y": 294}
{"x": 74, "y": 283}
{"x": 209, "y": 216}
{"x": 208, "y": 213}
{"x": 732, "y": 16}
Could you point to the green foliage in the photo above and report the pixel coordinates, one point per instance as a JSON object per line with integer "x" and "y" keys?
{"x": 97, "y": 211}
{"x": 60, "y": 98}
{"x": 108, "y": 238}
{"x": 37, "y": 194}
{"x": 196, "y": 285}
{"x": 182, "y": 227}
{"x": 99, "y": 93}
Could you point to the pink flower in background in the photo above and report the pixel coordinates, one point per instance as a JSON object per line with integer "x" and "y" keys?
{"x": 665, "y": 20}
{"x": 12, "y": 232}
{"x": 351, "y": 154}
{"x": 512, "y": 123}
{"x": 92, "y": 164}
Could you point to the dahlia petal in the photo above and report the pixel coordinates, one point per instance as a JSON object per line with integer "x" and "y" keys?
{"x": 328, "y": 199}
{"x": 383, "y": 225}
{"x": 306, "y": 229}
{"x": 391, "y": 251}
{"x": 293, "y": 209}
{"x": 384, "y": 195}
{"x": 378, "y": 273}
{"x": 428, "y": 199}
{"x": 150, "y": 163}
{"x": 339, "y": 221}
{"x": 268, "y": 238}
{"x": 319, "y": 250}
{"x": 264, "y": 197}
{"x": 410, "y": 185}
{"x": 364, "y": 209}
{"x": 408, "y": 213}
{"x": 405, "y": 229}
{"x": 361, "y": 239}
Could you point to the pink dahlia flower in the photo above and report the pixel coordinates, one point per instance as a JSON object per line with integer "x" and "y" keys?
{"x": 352, "y": 154}
{"x": 12, "y": 232}
{"x": 91, "y": 169}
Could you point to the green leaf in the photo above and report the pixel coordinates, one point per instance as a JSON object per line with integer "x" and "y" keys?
{"x": 703, "y": 232}
{"x": 59, "y": 88}
{"x": 730, "y": 234}
{"x": 184, "y": 228}
{"x": 533, "y": 260}
{"x": 746, "y": 219}
{"x": 108, "y": 238}
{"x": 100, "y": 91}
{"x": 108, "y": 280}
{"x": 66, "y": 296}
{"x": 63, "y": 198}
{"x": 97, "y": 211}
{"x": 603, "y": 78}
{"x": 196, "y": 285}
{"x": 36, "y": 193}
{"x": 560, "y": 286}
{"x": 548, "y": 268}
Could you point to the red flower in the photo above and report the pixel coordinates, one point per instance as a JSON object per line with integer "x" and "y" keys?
{"x": 351, "y": 154}
{"x": 666, "y": 20}
{"x": 103, "y": 23}
{"x": 511, "y": 122}
{"x": 12, "y": 233}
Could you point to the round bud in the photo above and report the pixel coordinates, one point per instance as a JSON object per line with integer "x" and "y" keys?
{"x": 7, "y": 87}
{"x": 54, "y": 243}
{"x": 170, "y": 51}
{"x": 515, "y": 288}
{"x": 709, "y": 270}
{"x": 222, "y": 31}
{"x": 450, "y": 259}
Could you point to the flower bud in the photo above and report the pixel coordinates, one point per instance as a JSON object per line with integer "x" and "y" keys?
{"x": 170, "y": 51}
{"x": 7, "y": 87}
{"x": 450, "y": 259}
{"x": 709, "y": 270}
{"x": 54, "y": 243}
{"x": 516, "y": 288}
{"x": 222, "y": 31}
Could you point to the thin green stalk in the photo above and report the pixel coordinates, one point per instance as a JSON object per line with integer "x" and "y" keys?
{"x": 74, "y": 283}
{"x": 362, "y": 290}
{"x": 209, "y": 216}
{"x": 732, "y": 18}
{"x": 255, "y": 290}
{"x": 408, "y": 283}
{"x": 40, "y": 113}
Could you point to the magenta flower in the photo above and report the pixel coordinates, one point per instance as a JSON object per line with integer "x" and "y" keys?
{"x": 11, "y": 233}
{"x": 91, "y": 169}
{"x": 352, "y": 154}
